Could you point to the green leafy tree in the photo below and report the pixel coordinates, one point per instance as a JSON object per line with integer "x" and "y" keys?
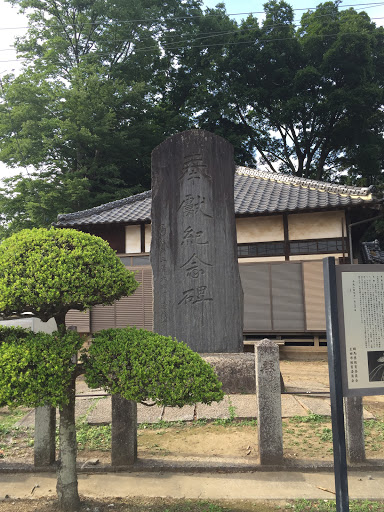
{"x": 305, "y": 100}
{"x": 49, "y": 272}
{"x": 85, "y": 113}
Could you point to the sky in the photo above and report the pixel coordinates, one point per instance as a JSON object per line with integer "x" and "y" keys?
{"x": 13, "y": 24}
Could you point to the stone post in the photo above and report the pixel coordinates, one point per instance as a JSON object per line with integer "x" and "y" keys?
{"x": 45, "y": 430}
{"x": 268, "y": 393}
{"x": 354, "y": 428}
{"x": 124, "y": 431}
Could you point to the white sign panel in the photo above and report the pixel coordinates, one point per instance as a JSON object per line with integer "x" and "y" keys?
{"x": 362, "y": 329}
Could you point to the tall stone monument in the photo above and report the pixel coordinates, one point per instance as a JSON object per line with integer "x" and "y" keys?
{"x": 198, "y": 296}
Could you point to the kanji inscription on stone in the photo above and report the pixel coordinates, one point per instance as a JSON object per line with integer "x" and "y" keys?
{"x": 198, "y": 296}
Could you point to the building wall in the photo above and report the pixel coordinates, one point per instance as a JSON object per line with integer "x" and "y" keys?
{"x": 260, "y": 229}
{"x": 113, "y": 234}
{"x": 304, "y": 226}
{"x": 282, "y": 294}
{"x": 132, "y": 239}
{"x": 300, "y": 226}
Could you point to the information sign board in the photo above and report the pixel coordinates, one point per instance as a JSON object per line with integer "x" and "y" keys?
{"x": 360, "y": 296}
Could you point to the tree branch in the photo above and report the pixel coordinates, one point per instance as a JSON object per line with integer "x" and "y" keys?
{"x": 255, "y": 143}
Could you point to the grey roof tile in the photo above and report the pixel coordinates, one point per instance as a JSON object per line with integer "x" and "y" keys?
{"x": 255, "y": 191}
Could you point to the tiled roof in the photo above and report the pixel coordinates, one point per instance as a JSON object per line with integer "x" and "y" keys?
{"x": 372, "y": 252}
{"x": 256, "y": 192}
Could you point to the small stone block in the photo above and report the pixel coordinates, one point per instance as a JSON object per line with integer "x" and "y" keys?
{"x": 147, "y": 414}
{"x": 45, "y": 429}
{"x": 185, "y": 413}
{"x": 101, "y": 414}
{"x": 27, "y": 421}
{"x": 245, "y": 405}
{"x": 291, "y": 407}
{"x": 268, "y": 389}
{"x": 316, "y": 405}
{"x": 84, "y": 404}
{"x": 124, "y": 431}
{"x": 213, "y": 411}
{"x": 354, "y": 428}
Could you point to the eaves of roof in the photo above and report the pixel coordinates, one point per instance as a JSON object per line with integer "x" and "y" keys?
{"x": 256, "y": 193}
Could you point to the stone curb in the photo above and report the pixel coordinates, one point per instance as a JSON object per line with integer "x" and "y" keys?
{"x": 157, "y": 466}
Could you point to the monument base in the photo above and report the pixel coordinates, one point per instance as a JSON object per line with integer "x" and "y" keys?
{"x": 235, "y": 371}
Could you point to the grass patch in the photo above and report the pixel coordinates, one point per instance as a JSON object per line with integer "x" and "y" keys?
{"x": 330, "y": 506}
{"x": 12, "y": 436}
{"x": 311, "y": 418}
{"x": 374, "y": 436}
{"x": 8, "y": 418}
{"x": 93, "y": 437}
{"x": 182, "y": 505}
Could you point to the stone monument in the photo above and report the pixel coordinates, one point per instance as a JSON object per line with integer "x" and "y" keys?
{"x": 198, "y": 296}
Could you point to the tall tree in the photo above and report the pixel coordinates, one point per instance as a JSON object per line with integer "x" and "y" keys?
{"x": 49, "y": 272}
{"x": 85, "y": 111}
{"x": 305, "y": 100}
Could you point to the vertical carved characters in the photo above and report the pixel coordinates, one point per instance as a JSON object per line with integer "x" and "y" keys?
{"x": 197, "y": 289}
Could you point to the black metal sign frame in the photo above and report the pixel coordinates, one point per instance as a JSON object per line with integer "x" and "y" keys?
{"x": 336, "y": 390}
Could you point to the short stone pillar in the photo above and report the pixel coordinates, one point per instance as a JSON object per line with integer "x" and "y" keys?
{"x": 354, "y": 428}
{"x": 268, "y": 393}
{"x": 124, "y": 431}
{"x": 45, "y": 430}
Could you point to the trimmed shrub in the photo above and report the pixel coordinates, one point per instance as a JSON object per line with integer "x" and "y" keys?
{"x": 144, "y": 366}
{"x": 36, "y": 368}
{"x": 49, "y": 271}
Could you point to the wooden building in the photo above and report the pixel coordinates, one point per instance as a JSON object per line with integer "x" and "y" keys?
{"x": 285, "y": 227}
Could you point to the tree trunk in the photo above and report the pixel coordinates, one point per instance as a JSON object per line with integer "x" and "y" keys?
{"x": 67, "y": 491}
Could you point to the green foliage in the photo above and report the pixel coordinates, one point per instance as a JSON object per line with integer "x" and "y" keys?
{"x": 88, "y": 108}
{"x": 96, "y": 437}
{"x": 35, "y": 368}
{"x": 326, "y": 434}
{"x": 311, "y": 418}
{"x": 105, "y": 82}
{"x": 48, "y": 272}
{"x": 145, "y": 366}
{"x": 330, "y": 506}
{"x": 303, "y": 100}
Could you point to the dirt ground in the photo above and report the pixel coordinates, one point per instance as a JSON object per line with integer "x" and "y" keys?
{"x": 144, "y": 505}
{"x": 304, "y": 437}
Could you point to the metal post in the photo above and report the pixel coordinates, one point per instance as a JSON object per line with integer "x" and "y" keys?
{"x": 334, "y": 366}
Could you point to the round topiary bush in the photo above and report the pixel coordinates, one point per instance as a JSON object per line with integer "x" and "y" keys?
{"x": 50, "y": 271}
{"x": 144, "y": 366}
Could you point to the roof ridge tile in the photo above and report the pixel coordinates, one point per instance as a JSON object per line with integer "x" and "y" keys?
{"x": 304, "y": 182}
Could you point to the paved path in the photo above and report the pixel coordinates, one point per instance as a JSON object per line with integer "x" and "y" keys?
{"x": 96, "y": 409}
{"x": 233, "y": 486}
